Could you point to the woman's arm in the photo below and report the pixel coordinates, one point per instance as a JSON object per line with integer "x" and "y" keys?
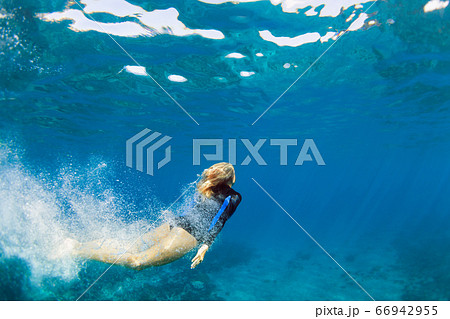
{"x": 226, "y": 214}
{"x": 217, "y": 227}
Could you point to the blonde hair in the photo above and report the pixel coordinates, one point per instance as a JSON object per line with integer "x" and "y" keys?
{"x": 218, "y": 174}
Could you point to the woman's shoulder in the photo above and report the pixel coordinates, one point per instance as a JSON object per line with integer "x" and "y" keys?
{"x": 235, "y": 193}
{"x": 228, "y": 191}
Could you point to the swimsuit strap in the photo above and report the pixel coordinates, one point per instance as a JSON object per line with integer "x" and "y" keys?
{"x": 221, "y": 210}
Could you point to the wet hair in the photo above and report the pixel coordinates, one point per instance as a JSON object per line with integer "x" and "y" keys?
{"x": 217, "y": 175}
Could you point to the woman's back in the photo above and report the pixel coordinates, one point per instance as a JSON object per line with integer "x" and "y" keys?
{"x": 205, "y": 217}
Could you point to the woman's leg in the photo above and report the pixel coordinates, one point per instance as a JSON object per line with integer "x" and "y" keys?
{"x": 174, "y": 246}
{"x": 108, "y": 255}
{"x": 151, "y": 238}
{"x": 109, "y": 250}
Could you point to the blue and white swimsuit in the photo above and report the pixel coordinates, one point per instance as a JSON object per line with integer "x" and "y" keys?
{"x": 206, "y": 217}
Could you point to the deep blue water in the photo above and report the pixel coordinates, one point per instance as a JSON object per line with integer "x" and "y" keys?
{"x": 377, "y": 106}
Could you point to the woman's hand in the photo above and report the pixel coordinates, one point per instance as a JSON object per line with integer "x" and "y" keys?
{"x": 200, "y": 255}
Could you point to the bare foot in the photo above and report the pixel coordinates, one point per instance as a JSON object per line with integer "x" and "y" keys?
{"x": 67, "y": 248}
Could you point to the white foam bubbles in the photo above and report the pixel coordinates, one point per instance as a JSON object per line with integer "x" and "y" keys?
{"x": 292, "y": 42}
{"x": 329, "y": 35}
{"x": 328, "y": 8}
{"x": 313, "y": 37}
{"x": 225, "y": 1}
{"x": 119, "y": 8}
{"x": 235, "y": 55}
{"x": 29, "y": 223}
{"x": 246, "y": 74}
{"x": 359, "y": 22}
{"x": 176, "y": 78}
{"x": 83, "y": 24}
{"x": 135, "y": 69}
{"x": 151, "y": 23}
{"x": 434, "y": 5}
{"x": 38, "y": 213}
{"x": 166, "y": 22}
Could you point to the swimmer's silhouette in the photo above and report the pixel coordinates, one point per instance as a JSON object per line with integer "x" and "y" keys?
{"x": 213, "y": 204}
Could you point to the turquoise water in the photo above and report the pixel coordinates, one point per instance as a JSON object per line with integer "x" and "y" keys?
{"x": 376, "y": 105}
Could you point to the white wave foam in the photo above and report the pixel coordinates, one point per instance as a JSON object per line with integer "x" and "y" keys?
{"x": 119, "y": 8}
{"x": 225, "y": 1}
{"x": 135, "y": 69}
{"x": 246, "y": 74}
{"x": 331, "y": 8}
{"x": 235, "y": 55}
{"x": 328, "y": 8}
{"x": 38, "y": 214}
{"x": 150, "y": 23}
{"x": 177, "y": 78}
{"x": 433, "y": 5}
{"x": 83, "y": 24}
{"x": 166, "y": 22}
{"x": 29, "y": 227}
{"x": 359, "y": 22}
{"x": 292, "y": 42}
{"x": 328, "y": 36}
{"x": 312, "y": 37}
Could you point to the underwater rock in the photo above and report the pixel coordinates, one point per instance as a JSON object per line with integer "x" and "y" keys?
{"x": 198, "y": 284}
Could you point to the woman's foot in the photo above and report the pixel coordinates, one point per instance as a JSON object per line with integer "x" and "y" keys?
{"x": 68, "y": 247}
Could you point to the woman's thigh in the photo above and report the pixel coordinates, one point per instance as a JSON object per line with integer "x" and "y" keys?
{"x": 180, "y": 240}
{"x": 151, "y": 238}
{"x": 174, "y": 246}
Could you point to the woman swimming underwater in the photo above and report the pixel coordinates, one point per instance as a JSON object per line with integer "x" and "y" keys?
{"x": 213, "y": 204}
